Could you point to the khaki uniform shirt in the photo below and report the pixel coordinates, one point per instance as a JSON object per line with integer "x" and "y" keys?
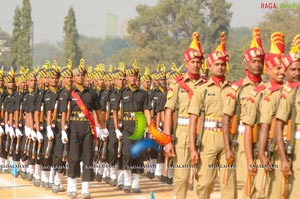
{"x": 250, "y": 108}
{"x": 232, "y": 98}
{"x": 213, "y": 99}
{"x": 178, "y": 97}
{"x": 268, "y": 104}
{"x": 286, "y": 104}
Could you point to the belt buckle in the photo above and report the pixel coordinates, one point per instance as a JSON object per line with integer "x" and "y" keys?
{"x": 218, "y": 124}
{"x": 132, "y": 114}
{"x": 81, "y": 115}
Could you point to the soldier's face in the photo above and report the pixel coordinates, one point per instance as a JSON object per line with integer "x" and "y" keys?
{"x": 79, "y": 79}
{"x": 68, "y": 81}
{"x": 276, "y": 74}
{"x": 53, "y": 81}
{"x": 193, "y": 66}
{"x": 293, "y": 72}
{"x": 218, "y": 68}
{"x": 146, "y": 84}
{"x": 162, "y": 83}
{"x": 120, "y": 82}
{"x": 255, "y": 66}
{"x": 132, "y": 79}
{"x": 31, "y": 82}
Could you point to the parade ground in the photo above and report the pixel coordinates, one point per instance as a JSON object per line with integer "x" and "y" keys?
{"x": 11, "y": 187}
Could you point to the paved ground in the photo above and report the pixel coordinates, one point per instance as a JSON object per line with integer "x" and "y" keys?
{"x": 11, "y": 187}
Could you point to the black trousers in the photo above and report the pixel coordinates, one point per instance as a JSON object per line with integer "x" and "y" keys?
{"x": 81, "y": 149}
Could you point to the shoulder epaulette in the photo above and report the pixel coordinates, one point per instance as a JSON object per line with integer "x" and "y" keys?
{"x": 289, "y": 87}
{"x": 273, "y": 88}
{"x": 255, "y": 91}
{"x": 236, "y": 85}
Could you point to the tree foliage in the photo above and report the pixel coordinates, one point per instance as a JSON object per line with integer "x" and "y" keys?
{"x": 16, "y": 51}
{"x": 71, "y": 48}
{"x": 26, "y": 34}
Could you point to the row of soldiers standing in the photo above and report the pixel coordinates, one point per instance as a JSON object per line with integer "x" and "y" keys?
{"x": 228, "y": 129}
{"x": 53, "y": 119}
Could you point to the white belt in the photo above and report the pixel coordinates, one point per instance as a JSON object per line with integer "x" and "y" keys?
{"x": 211, "y": 124}
{"x": 183, "y": 121}
{"x": 297, "y": 135}
{"x": 241, "y": 129}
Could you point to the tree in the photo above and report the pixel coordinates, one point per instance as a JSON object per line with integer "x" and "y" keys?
{"x": 165, "y": 30}
{"x": 71, "y": 48}
{"x": 218, "y": 21}
{"x": 16, "y": 51}
{"x": 26, "y": 33}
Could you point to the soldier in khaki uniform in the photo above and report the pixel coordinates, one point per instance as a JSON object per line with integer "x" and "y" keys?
{"x": 252, "y": 115}
{"x": 212, "y": 150}
{"x": 253, "y": 58}
{"x": 179, "y": 93}
{"x": 289, "y": 102}
{"x": 267, "y": 178}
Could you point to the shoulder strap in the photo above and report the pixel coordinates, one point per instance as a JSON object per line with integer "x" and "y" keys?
{"x": 84, "y": 109}
{"x": 183, "y": 85}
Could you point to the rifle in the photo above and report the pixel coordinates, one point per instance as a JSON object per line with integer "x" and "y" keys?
{"x": 290, "y": 145}
{"x": 103, "y": 150}
{"x": 270, "y": 152}
{"x": 202, "y": 121}
{"x": 68, "y": 114}
{"x": 255, "y": 134}
{"x": 119, "y": 151}
{"x": 50, "y": 140}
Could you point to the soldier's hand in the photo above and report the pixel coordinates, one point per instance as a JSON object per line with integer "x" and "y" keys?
{"x": 18, "y": 133}
{"x": 11, "y": 132}
{"x": 230, "y": 156}
{"x": 265, "y": 162}
{"x": 7, "y": 129}
{"x": 194, "y": 157}
{"x": 99, "y": 132}
{"x": 105, "y": 133}
{"x": 252, "y": 168}
{"x": 39, "y": 136}
{"x": 285, "y": 168}
{"x": 64, "y": 137}
{"x": 169, "y": 149}
{"x": 50, "y": 134}
{"x": 1, "y": 131}
{"x": 118, "y": 134}
{"x": 33, "y": 135}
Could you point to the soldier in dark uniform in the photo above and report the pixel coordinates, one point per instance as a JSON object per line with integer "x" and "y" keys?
{"x": 134, "y": 100}
{"x": 83, "y": 102}
{"x": 29, "y": 142}
{"x": 18, "y": 118}
{"x": 50, "y": 102}
{"x": 61, "y": 138}
{"x": 3, "y": 94}
{"x": 39, "y": 121}
{"x": 8, "y": 117}
{"x": 104, "y": 104}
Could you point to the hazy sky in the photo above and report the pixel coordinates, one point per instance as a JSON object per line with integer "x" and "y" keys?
{"x": 91, "y": 15}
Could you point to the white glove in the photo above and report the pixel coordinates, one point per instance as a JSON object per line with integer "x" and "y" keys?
{"x": 11, "y": 132}
{"x": 99, "y": 132}
{"x": 105, "y": 133}
{"x": 118, "y": 133}
{"x": 50, "y": 134}
{"x": 33, "y": 135}
{"x": 18, "y": 132}
{"x": 7, "y": 129}
{"x": 27, "y": 131}
{"x": 1, "y": 131}
{"x": 39, "y": 136}
{"x": 64, "y": 137}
